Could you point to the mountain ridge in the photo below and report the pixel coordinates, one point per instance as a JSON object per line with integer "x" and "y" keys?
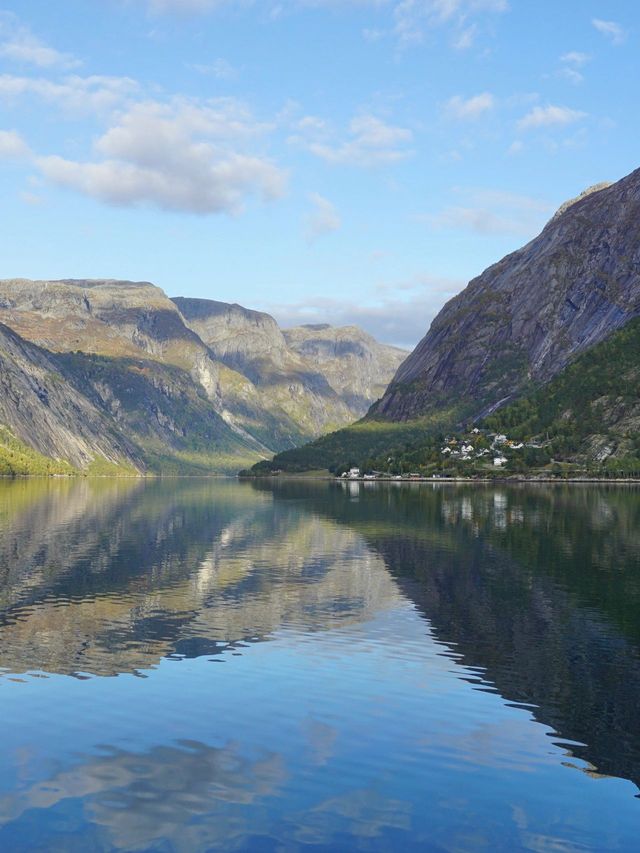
{"x": 525, "y": 316}
{"x": 514, "y": 328}
{"x": 130, "y": 357}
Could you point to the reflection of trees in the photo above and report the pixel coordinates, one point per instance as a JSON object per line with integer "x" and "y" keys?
{"x": 110, "y": 577}
{"x": 537, "y": 587}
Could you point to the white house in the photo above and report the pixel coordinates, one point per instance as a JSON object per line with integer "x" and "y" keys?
{"x": 499, "y": 461}
{"x": 354, "y": 473}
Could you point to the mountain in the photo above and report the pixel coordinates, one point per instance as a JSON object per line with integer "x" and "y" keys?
{"x": 161, "y": 398}
{"x": 510, "y": 331}
{"x": 352, "y": 361}
{"x": 47, "y": 417}
{"x": 321, "y": 376}
{"x": 525, "y": 317}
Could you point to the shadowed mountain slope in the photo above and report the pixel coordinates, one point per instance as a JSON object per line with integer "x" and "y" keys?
{"x": 525, "y": 317}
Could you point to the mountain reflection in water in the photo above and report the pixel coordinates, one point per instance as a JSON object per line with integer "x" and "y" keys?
{"x": 408, "y": 667}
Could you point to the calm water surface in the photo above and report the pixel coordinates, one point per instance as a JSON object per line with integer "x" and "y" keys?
{"x": 198, "y": 665}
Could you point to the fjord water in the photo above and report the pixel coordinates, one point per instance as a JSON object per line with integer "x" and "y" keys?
{"x": 198, "y": 665}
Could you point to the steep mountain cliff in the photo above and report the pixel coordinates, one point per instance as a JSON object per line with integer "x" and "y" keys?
{"x": 321, "y": 376}
{"x": 525, "y": 317}
{"x": 510, "y": 332}
{"x": 353, "y": 362}
{"x": 150, "y": 392}
{"x": 44, "y": 410}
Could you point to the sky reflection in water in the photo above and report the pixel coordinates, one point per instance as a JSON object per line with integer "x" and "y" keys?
{"x": 194, "y": 665}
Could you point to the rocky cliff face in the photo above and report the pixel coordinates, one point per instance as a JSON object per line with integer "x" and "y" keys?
{"x": 353, "y": 362}
{"x": 323, "y": 377}
{"x": 238, "y": 336}
{"x": 525, "y": 317}
{"x": 208, "y": 389}
{"x": 41, "y": 404}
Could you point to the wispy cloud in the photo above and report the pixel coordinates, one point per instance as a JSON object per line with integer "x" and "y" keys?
{"x": 491, "y": 212}
{"x": 186, "y": 7}
{"x": 410, "y": 20}
{"x": 576, "y": 58}
{"x": 465, "y": 109}
{"x": 370, "y": 141}
{"x": 611, "y": 30}
{"x": 220, "y": 68}
{"x": 400, "y": 313}
{"x": 323, "y": 220}
{"x": 550, "y": 116}
{"x": 179, "y": 156}
{"x": 571, "y": 62}
{"x": 72, "y": 93}
{"x": 465, "y": 38}
{"x": 414, "y": 18}
{"x": 18, "y": 44}
{"x": 12, "y": 145}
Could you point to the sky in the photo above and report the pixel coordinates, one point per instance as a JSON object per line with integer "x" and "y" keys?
{"x": 341, "y": 161}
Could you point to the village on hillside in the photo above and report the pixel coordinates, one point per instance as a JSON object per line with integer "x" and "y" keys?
{"x": 476, "y": 452}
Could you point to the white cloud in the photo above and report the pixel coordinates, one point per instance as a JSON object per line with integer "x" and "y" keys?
{"x": 18, "y": 44}
{"x": 492, "y": 212}
{"x": 400, "y": 314}
{"x": 611, "y": 30}
{"x": 414, "y": 17}
{"x": 220, "y": 68}
{"x": 73, "y": 93}
{"x": 410, "y": 19}
{"x": 465, "y": 38}
{"x": 179, "y": 156}
{"x": 324, "y": 219}
{"x": 575, "y": 57}
{"x": 372, "y": 35}
{"x": 550, "y": 116}
{"x": 571, "y": 75}
{"x": 463, "y": 109}
{"x": 571, "y": 62}
{"x": 370, "y": 141}
{"x": 12, "y": 145}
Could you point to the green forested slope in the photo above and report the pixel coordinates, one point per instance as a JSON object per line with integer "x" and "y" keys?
{"x": 591, "y": 411}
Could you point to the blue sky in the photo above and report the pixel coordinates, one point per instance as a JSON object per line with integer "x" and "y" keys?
{"x": 326, "y": 160}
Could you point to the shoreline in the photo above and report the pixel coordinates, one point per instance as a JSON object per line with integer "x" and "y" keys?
{"x": 406, "y": 481}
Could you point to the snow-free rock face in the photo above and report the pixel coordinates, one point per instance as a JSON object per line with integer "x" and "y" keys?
{"x": 238, "y": 336}
{"x": 323, "y": 376}
{"x": 186, "y": 385}
{"x": 42, "y": 407}
{"x": 353, "y": 362}
{"x": 525, "y": 317}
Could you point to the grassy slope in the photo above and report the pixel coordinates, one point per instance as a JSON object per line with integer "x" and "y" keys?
{"x": 17, "y": 458}
{"x": 364, "y": 439}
